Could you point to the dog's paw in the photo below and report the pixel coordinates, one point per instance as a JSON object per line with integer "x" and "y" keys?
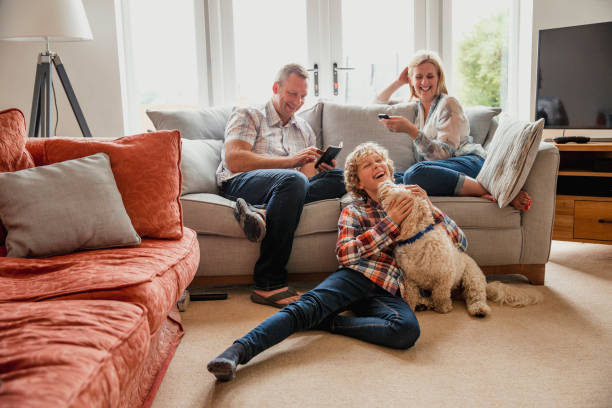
{"x": 420, "y": 308}
{"x": 443, "y": 307}
{"x": 479, "y": 309}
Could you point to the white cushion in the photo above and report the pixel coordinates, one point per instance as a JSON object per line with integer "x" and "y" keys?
{"x": 510, "y": 156}
{"x": 199, "y": 162}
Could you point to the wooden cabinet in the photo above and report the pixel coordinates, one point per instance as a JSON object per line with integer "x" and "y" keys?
{"x": 583, "y": 210}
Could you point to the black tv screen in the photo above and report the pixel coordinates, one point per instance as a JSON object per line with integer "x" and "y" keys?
{"x": 574, "y": 79}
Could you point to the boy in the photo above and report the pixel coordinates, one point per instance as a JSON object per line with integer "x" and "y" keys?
{"x": 366, "y": 282}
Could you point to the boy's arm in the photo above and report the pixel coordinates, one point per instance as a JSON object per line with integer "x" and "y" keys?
{"x": 354, "y": 244}
{"x": 452, "y": 229}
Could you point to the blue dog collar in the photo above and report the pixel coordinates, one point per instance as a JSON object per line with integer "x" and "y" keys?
{"x": 415, "y": 237}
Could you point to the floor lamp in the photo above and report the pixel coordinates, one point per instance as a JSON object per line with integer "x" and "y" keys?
{"x": 46, "y": 20}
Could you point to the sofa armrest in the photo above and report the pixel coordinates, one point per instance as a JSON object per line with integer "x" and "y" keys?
{"x": 537, "y": 223}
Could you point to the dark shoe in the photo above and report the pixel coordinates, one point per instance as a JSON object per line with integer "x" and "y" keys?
{"x": 272, "y": 300}
{"x": 250, "y": 221}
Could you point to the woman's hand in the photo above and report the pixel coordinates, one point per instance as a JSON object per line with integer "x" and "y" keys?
{"x": 399, "y": 209}
{"x": 400, "y": 124}
{"x": 403, "y": 77}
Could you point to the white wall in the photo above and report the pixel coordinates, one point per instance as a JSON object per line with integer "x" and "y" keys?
{"x": 92, "y": 67}
{"x": 562, "y": 13}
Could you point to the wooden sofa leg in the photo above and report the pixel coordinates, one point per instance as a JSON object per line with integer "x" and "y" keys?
{"x": 535, "y": 273}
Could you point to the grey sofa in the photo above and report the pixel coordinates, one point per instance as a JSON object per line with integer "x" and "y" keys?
{"x": 501, "y": 240}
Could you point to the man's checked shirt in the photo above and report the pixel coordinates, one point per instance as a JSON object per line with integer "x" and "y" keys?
{"x": 263, "y": 129}
{"x": 366, "y": 238}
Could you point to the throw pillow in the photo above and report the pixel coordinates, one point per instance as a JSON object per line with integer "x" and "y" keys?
{"x": 199, "y": 162}
{"x": 13, "y": 154}
{"x": 510, "y": 156}
{"x": 193, "y": 124}
{"x": 147, "y": 172}
{"x": 480, "y": 121}
{"x": 57, "y": 209}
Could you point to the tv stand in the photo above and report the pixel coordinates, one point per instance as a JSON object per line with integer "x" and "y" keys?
{"x": 583, "y": 211}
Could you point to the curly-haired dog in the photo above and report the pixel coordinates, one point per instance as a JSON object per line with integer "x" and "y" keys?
{"x": 430, "y": 261}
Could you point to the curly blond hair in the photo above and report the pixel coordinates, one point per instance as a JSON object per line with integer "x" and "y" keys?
{"x": 352, "y": 162}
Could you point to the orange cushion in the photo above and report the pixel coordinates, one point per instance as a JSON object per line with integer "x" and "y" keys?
{"x": 147, "y": 171}
{"x": 13, "y": 154}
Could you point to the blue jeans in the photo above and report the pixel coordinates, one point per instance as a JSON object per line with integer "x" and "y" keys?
{"x": 380, "y": 317}
{"x": 283, "y": 193}
{"x": 441, "y": 177}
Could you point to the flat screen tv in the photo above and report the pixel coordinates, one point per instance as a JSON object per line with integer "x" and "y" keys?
{"x": 574, "y": 79}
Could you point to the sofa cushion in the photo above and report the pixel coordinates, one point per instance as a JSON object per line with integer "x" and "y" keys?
{"x": 313, "y": 116}
{"x": 510, "y": 157}
{"x": 480, "y": 118}
{"x": 475, "y": 212}
{"x": 13, "y": 154}
{"x": 147, "y": 172}
{"x": 70, "y": 353}
{"x": 62, "y": 207}
{"x": 205, "y": 123}
{"x": 199, "y": 162}
{"x": 352, "y": 125}
{"x": 211, "y": 214}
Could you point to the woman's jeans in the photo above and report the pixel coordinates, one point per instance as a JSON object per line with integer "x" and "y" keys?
{"x": 283, "y": 193}
{"x": 380, "y": 317}
{"x": 441, "y": 177}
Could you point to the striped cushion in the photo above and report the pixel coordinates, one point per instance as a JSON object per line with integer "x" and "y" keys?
{"x": 510, "y": 157}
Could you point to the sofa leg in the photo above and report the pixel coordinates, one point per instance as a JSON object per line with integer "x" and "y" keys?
{"x": 535, "y": 273}
{"x": 183, "y": 302}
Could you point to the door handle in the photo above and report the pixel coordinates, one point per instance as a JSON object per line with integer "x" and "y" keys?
{"x": 315, "y": 69}
{"x": 336, "y": 68}
{"x": 604, "y": 221}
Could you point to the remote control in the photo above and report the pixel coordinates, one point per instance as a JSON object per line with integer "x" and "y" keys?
{"x": 576, "y": 139}
{"x": 383, "y": 116}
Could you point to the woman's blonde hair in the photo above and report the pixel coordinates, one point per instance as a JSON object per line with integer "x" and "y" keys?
{"x": 421, "y": 57}
{"x": 352, "y": 162}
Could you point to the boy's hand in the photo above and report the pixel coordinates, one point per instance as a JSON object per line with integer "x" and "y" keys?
{"x": 399, "y": 209}
{"x": 418, "y": 191}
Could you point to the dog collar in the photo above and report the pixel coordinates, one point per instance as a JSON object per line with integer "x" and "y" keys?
{"x": 416, "y": 236}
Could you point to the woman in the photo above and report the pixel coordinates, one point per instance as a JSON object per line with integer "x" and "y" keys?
{"x": 448, "y": 160}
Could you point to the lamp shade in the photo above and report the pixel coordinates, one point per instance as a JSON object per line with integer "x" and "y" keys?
{"x": 43, "y": 20}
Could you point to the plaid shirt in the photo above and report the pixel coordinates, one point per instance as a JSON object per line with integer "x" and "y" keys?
{"x": 263, "y": 129}
{"x": 366, "y": 238}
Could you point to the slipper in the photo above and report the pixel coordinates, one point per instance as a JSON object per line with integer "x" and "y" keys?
{"x": 250, "y": 221}
{"x": 273, "y": 299}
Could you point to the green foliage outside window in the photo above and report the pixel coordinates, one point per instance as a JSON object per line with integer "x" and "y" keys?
{"x": 480, "y": 62}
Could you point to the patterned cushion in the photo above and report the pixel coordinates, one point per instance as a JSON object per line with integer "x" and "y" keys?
{"x": 510, "y": 157}
{"x": 147, "y": 172}
{"x": 13, "y": 154}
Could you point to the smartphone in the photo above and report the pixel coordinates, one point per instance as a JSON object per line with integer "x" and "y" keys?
{"x": 329, "y": 154}
{"x": 383, "y": 116}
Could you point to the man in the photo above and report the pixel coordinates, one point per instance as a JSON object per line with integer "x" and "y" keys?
{"x": 268, "y": 161}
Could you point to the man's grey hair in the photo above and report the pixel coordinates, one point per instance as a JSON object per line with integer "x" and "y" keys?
{"x": 289, "y": 69}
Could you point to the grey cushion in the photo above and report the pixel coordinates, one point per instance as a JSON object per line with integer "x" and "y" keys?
{"x": 199, "y": 162}
{"x": 62, "y": 207}
{"x": 510, "y": 157}
{"x": 205, "y": 123}
{"x": 480, "y": 118}
{"x": 355, "y": 124}
{"x": 313, "y": 116}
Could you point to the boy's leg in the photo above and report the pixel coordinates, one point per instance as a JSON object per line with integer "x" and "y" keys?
{"x": 336, "y": 293}
{"x": 385, "y": 320}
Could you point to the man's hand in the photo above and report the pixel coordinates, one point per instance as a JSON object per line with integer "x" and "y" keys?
{"x": 399, "y": 209}
{"x": 305, "y": 156}
{"x": 326, "y": 167}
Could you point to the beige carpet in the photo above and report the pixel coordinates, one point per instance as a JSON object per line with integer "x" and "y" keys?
{"x": 555, "y": 354}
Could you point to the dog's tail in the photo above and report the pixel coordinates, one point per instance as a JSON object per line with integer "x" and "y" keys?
{"x": 511, "y": 295}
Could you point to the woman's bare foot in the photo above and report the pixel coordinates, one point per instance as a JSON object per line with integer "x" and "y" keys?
{"x": 522, "y": 201}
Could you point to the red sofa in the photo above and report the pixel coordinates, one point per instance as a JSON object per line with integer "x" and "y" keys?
{"x": 95, "y": 328}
